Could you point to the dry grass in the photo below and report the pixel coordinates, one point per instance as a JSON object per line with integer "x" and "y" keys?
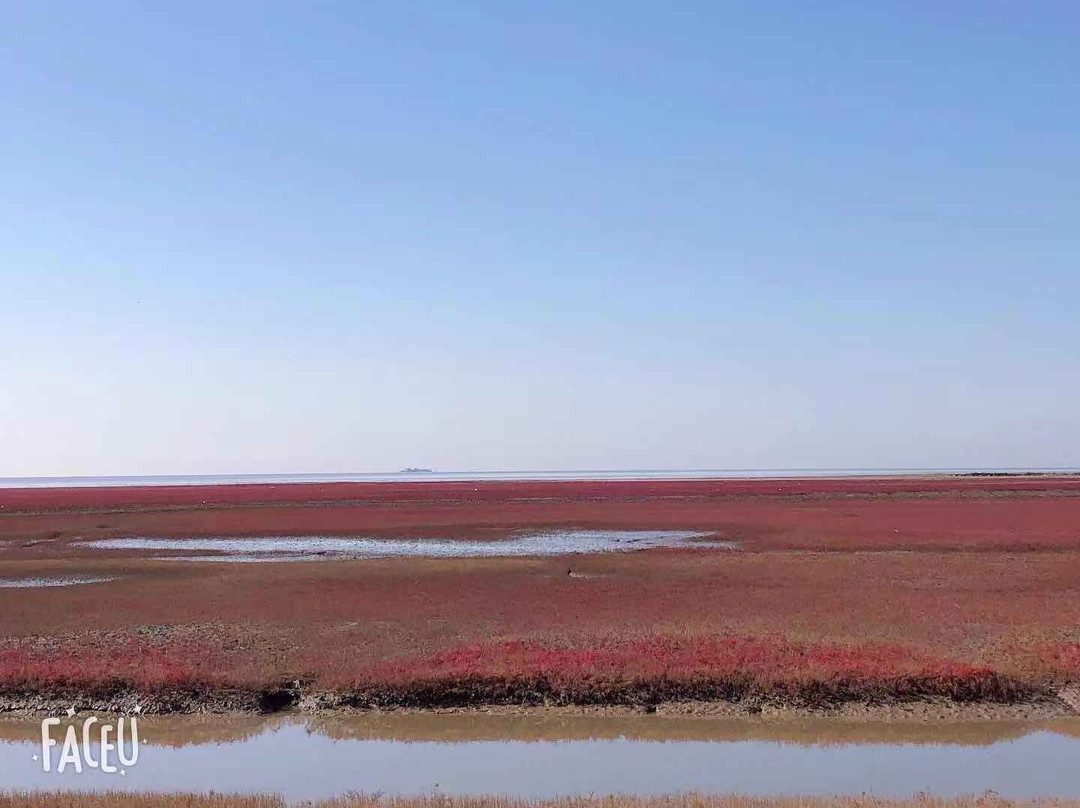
{"x": 78, "y": 800}
{"x": 75, "y": 799}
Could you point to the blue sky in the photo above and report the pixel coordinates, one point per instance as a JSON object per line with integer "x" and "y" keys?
{"x": 291, "y": 237}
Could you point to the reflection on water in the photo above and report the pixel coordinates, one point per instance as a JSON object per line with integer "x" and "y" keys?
{"x": 805, "y": 731}
{"x": 530, "y": 757}
{"x": 303, "y": 548}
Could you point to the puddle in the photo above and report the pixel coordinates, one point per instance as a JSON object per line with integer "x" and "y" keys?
{"x": 307, "y": 548}
{"x": 322, "y": 758}
{"x": 34, "y": 583}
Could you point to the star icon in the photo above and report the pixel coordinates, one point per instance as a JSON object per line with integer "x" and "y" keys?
{"x": 123, "y": 772}
{"x": 71, "y": 711}
{"x": 35, "y": 757}
{"x": 138, "y": 709}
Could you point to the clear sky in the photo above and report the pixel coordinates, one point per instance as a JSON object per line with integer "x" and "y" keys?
{"x": 298, "y": 237}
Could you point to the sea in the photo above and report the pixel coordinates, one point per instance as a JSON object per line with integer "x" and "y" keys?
{"x": 512, "y": 476}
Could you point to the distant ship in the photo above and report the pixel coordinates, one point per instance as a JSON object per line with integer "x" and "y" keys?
{"x": 414, "y": 470}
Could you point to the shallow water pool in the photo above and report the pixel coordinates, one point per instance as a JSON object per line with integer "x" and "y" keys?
{"x": 303, "y": 548}
{"x": 35, "y": 583}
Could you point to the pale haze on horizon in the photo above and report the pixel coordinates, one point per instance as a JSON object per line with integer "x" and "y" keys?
{"x": 244, "y": 238}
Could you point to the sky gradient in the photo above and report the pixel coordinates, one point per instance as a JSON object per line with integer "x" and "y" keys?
{"x": 292, "y": 237}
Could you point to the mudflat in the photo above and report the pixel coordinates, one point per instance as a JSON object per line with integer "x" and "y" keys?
{"x": 942, "y": 595}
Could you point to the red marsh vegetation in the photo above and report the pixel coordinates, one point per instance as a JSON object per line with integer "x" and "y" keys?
{"x": 1022, "y": 513}
{"x": 900, "y": 588}
{"x": 107, "y": 497}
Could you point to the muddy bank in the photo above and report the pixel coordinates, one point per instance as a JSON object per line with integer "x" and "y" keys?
{"x": 756, "y": 714}
{"x": 293, "y": 698}
{"x": 193, "y": 700}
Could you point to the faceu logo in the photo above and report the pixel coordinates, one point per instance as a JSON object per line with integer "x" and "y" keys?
{"x": 79, "y": 744}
